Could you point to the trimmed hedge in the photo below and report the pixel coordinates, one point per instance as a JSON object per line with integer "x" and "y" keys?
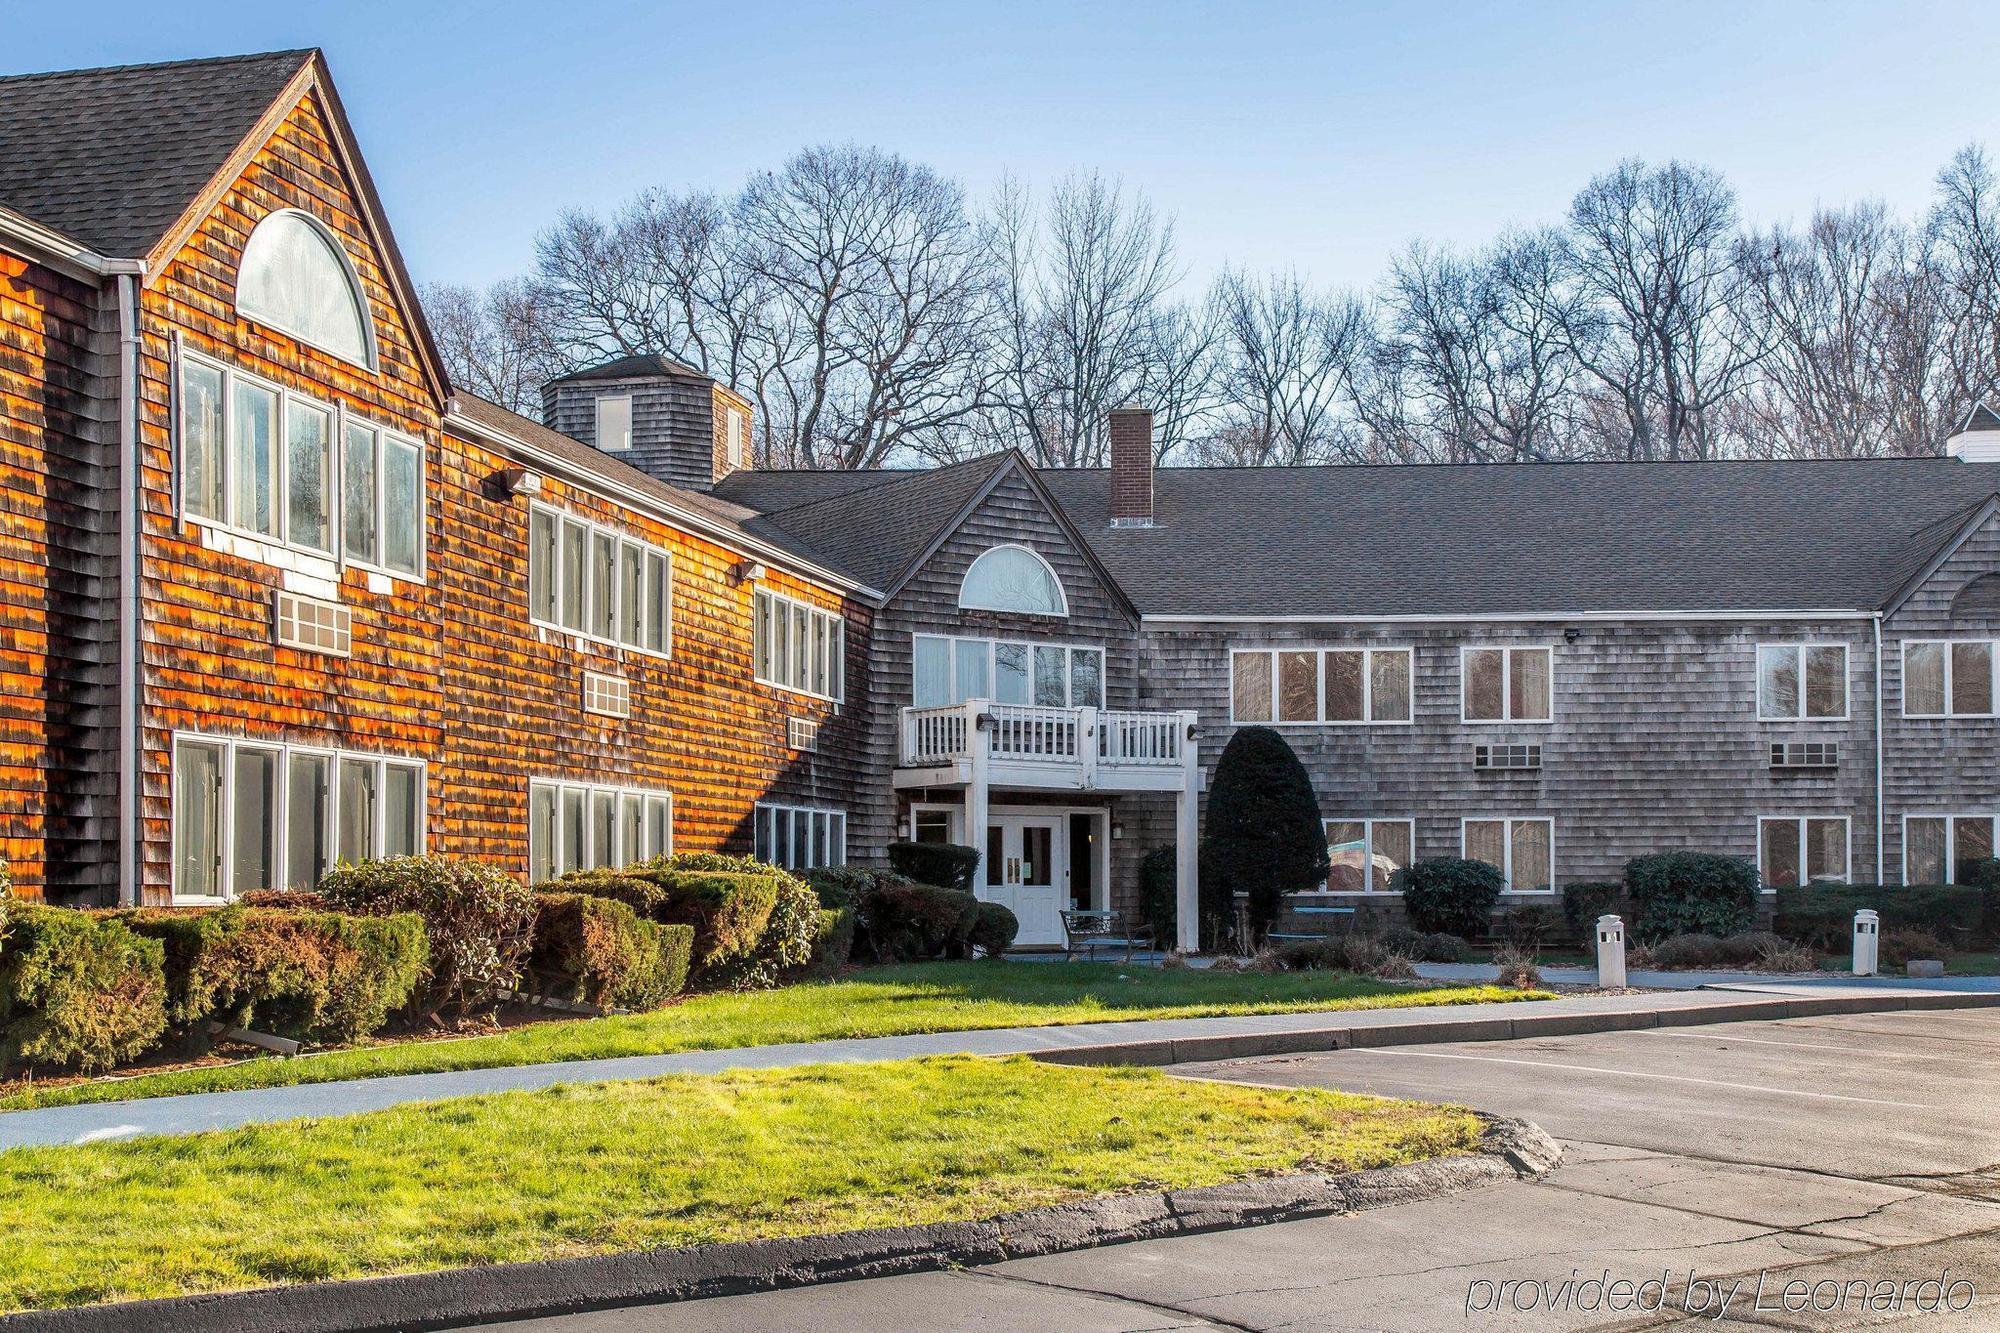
{"x": 994, "y": 927}
{"x": 327, "y": 977}
{"x": 844, "y": 886}
{"x": 77, "y": 990}
{"x": 598, "y": 951}
{"x": 1449, "y": 895}
{"x": 1691, "y": 893}
{"x": 945, "y": 864}
{"x": 1822, "y": 915}
{"x": 728, "y": 910}
{"x": 785, "y": 947}
{"x": 833, "y": 941}
{"x": 479, "y": 921}
{"x": 911, "y": 922}
{"x": 1582, "y": 904}
{"x": 1261, "y": 835}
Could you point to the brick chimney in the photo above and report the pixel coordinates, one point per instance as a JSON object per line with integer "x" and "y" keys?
{"x": 1131, "y": 467}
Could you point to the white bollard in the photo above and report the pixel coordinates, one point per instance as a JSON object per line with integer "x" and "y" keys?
{"x": 1611, "y": 952}
{"x": 1867, "y": 935}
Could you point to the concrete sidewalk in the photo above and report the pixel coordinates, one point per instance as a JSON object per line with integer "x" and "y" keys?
{"x": 1782, "y": 982}
{"x": 1145, "y": 1042}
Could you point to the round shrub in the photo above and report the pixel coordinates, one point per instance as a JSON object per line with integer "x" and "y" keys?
{"x": 1582, "y": 904}
{"x": 1904, "y": 943}
{"x": 845, "y": 886}
{"x": 478, "y": 919}
{"x": 1680, "y": 893}
{"x": 993, "y": 930}
{"x": 1262, "y": 836}
{"x": 945, "y": 864}
{"x": 1450, "y": 895}
{"x": 597, "y": 951}
{"x": 786, "y": 944}
{"x": 77, "y": 991}
{"x": 910, "y": 922}
{"x": 833, "y": 941}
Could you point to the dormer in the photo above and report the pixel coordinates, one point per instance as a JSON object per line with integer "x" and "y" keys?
{"x": 1978, "y": 440}
{"x": 658, "y": 414}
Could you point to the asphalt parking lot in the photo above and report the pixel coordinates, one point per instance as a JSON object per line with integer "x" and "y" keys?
{"x": 1861, "y": 1149}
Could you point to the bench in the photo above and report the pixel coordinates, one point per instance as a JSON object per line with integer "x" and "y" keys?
{"x": 1299, "y": 935}
{"x": 1089, "y": 931}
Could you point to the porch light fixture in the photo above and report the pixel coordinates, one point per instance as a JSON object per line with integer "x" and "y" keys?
{"x": 1572, "y": 634}
{"x": 747, "y": 571}
{"x": 520, "y": 481}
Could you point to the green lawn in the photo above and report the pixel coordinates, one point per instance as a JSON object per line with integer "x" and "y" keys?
{"x": 877, "y": 1002}
{"x": 1958, "y": 965}
{"x": 676, "y": 1161}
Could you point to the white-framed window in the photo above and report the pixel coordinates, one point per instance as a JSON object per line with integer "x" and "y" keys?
{"x": 251, "y": 814}
{"x": 1012, "y": 578}
{"x": 1523, "y": 850}
{"x": 798, "y": 647}
{"x": 614, "y": 423}
{"x": 295, "y": 277}
{"x": 949, "y": 669}
{"x": 1948, "y": 678}
{"x": 735, "y": 438}
{"x": 1321, "y": 686}
{"x": 1801, "y": 682}
{"x": 799, "y": 837}
{"x": 1935, "y": 847}
{"x": 1366, "y": 853}
{"x": 588, "y": 825}
{"x": 1501, "y": 684}
{"x": 935, "y": 823}
{"x": 1802, "y": 849}
{"x": 588, "y": 579}
{"x": 261, "y": 460}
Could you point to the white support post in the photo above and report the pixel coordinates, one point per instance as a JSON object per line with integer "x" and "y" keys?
{"x": 1867, "y": 939}
{"x": 1611, "y": 952}
{"x": 1187, "y": 836}
{"x": 1087, "y": 745}
{"x": 976, "y": 797}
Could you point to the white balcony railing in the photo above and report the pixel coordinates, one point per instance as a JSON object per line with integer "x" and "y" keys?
{"x": 1012, "y": 736}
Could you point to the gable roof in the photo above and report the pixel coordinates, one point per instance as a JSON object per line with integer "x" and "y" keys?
{"x": 1981, "y": 417}
{"x": 112, "y": 157}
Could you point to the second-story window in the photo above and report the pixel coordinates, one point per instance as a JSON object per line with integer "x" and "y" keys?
{"x": 949, "y": 669}
{"x": 271, "y": 463}
{"x": 1505, "y": 684}
{"x": 798, "y": 647}
{"x": 1948, "y": 678}
{"x": 614, "y": 423}
{"x": 1330, "y": 685}
{"x": 594, "y": 581}
{"x": 1801, "y": 681}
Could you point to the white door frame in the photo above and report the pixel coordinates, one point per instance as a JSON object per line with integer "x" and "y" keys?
{"x": 1100, "y": 896}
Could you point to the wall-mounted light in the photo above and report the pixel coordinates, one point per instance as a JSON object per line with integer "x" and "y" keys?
{"x": 747, "y": 571}
{"x": 520, "y": 481}
{"x": 1572, "y": 634}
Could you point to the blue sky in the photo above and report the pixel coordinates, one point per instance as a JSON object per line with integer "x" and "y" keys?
{"x": 1315, "y": 136}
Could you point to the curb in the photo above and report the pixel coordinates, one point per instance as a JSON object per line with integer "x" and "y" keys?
{"x": 1240, "y": 1046}
{"x": 1508, "y": 1150}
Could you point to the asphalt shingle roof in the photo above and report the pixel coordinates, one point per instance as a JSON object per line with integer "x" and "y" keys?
{"x": 628, "y": 367}
{"x": 112, "y": 157}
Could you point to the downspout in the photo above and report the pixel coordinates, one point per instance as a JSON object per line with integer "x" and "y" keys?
{"x": 127, "y": 274}
{"x": 1881, "y": 815}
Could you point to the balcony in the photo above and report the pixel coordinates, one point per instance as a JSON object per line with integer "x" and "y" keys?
{"x": 983, "y": 743}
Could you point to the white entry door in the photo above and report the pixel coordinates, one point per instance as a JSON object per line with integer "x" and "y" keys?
{"x": 1022, "y": 871}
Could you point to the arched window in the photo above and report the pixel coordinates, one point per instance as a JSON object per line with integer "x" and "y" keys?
{"x": 1012, "y": 578}
{"x": 1978, "y": 600}
{"x": 295, "y": 278}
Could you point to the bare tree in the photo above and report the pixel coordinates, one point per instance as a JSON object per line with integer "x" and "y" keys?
{"x": 1964, "y": 228}
{"x": 1291, "y": 358}
{"x": 498, "y": 343}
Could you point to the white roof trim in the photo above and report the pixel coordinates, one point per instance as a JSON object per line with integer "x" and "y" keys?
{"x": 1514, "y": 617}
{"x": 58, "y": 250}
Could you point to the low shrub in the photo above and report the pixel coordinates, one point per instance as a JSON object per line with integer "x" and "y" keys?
{"x": 728, "y": 910}
{"x": 945, "y": 864}
{"x": 910, "y": 922}
{"x": 833, "y": 941}
{"x": 1755, "y": 949}
{"x": 994, "y": 927}
{"x": 77, "y": 990}
{"x": 1159, "y": 894}
{"x": 325, "y": 977}
{"x": 1822, "y": 915}
{"x": 1517, "y": 966}
{"x": 846, "y": 886}
{"x": 478, "y": 919}
{"x": 642, "y": 895}
{"x": 1680, "y": 893}
{"x": 289, "y": 900}
{"x": 1449, "y": 895}
{"x": 751, "y": 921}
{"x": 599, "y": 951}
{"x": 1898, "y": 946}
{"x": 1533, "y": 926}
{"x": 785, "y": 947}
{"x": 1368, "y": 951}
{"x": 1582, "y": 904}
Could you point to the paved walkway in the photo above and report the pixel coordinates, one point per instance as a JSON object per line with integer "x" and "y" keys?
{"x": 1146, "y": 1041}
{"x": 1787, "y": 982}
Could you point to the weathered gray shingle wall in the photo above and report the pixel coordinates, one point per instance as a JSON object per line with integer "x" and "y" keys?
{"x": 673, "y": 431}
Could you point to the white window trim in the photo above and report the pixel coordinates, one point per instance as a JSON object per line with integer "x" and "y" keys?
{"x": 340, "y": 417}
{"x": 955, "y": 812}
{"x": 1506, "y": 651}
{"x": 992, "y": 642}
{"x": 1950, "y": 839}
{"x": 836, "y": 623}
{"x": 1062, "y": 593}
{"x": 1802, "y": 646}
{"x": 1507, "y": 871}
{"x": 1847, "y": 853}
{"x": 839, "y": 852}
{"x": 592, "y": 529}
{"x": 1320, "y": 650}
{"x": 589, "y": 790}
{"x": 355, "y": 288}
{"x": 281, "y": 806}
{"x": 1993, "y": 681}
{"x": 1371, "y": 889}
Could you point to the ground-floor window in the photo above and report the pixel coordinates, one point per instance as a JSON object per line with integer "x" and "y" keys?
{"x": 1366, "y": 853}
{"x": 1935, "y": 847}
{"x": 800, "y": 837}
{"x": 933, "y": 824}
{"x": 1522, "y": 850}
{"x": 259, "y": 815}
{"x": 1799, "y": 849}
{"x": 585, "y": 826}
